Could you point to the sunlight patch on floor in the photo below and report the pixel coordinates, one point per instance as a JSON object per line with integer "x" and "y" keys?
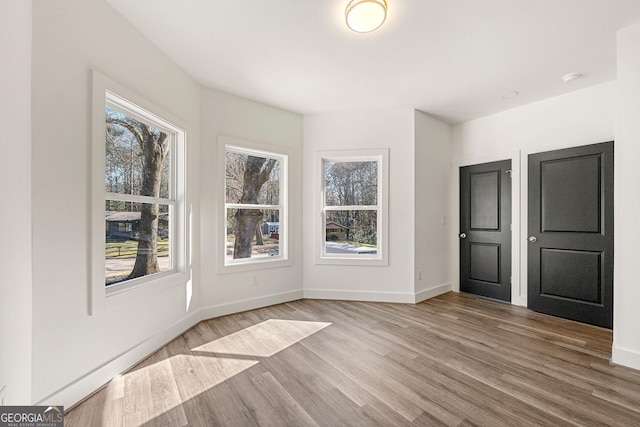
{"x": 208, "y": 365}
{"x": 211, "y": 371}
{"x": 264, "y": 339}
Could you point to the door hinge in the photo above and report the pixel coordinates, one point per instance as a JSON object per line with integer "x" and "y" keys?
{"x": 508, "y": 172}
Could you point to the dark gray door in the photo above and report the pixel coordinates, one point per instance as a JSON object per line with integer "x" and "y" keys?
{"x": 485, "y": 230}
{"x": 570, "y": 272}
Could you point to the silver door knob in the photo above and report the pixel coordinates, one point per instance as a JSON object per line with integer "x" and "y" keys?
{"x": 533, "y": 239}
{"x": 463, "y": 235}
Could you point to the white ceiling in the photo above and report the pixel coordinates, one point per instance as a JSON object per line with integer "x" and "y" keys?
{"x": 454, "y": 59}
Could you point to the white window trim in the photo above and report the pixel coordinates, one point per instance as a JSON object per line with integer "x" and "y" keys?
{"x": 250, "y": 264}
{"x": 103, "y": 298}
{"x": 382, "y": 256}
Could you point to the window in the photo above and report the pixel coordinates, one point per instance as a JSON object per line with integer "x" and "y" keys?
{"x": 138, "y": 195}
{"x": 353, "y": 205}
{"x": 255, "y": 200}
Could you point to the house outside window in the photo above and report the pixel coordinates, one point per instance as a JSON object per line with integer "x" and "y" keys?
{"x": 353, "y": 205}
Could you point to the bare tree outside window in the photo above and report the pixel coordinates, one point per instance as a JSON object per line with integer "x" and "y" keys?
{"x": 252, "y": 203}
{"x": 137, "y": 164}
{"x": 351, "y": 196}
{"x": 352, "y": 227}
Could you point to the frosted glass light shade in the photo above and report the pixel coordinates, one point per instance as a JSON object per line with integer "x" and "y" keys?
{"x": 364, "y": 16}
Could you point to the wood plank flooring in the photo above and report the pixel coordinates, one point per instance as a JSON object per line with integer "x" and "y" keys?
{"x": 454, "y": 360}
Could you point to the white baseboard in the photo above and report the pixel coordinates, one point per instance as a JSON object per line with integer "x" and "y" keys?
{"x": 249, "y": 304}
{"x": 86, "y": 385}
{"x": 625, "y": 357}
{"x": 368, "y": 296}
{"x": 407, "y": 298}
{"x": 433, "y": 292}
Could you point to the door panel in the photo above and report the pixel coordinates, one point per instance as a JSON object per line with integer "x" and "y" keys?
{"x": 485, "y": 204}
{"x": 485, "y": 262}
{"x": 571, "y": 194}
{"x": 575, "y": 275}
{"x": 485, "y": 227}
{"x": 570, "y": 251}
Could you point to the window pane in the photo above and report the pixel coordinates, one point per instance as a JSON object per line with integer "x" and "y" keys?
{"x": 351, "y": 232}
{"x": 134, "y": 151}
{"x": 252, "y": 233}
{"x": 251, "y": 179}
{"x": 136, "y": 234}
{"x": 351, "y": 183}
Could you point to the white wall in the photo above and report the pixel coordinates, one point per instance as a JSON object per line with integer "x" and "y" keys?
{"x": 231, "y": 116}
{"x": 72, "y": 351}
{"x": 578, "y": 118}
{"x": 15, "y": 214}
{"x": 626, "y": 321}
{"x": 392, "y": 129}
{"x": 432, "y": 206}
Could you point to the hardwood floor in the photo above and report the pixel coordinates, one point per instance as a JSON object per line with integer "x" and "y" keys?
{"x": 454, "y": 360}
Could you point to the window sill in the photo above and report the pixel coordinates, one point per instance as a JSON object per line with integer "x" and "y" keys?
{"x": 371, "y": 262}
{"x": 254, "y": 265}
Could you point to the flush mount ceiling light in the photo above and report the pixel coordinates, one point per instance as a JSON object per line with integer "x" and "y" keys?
{"x": 364, "y": 16}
